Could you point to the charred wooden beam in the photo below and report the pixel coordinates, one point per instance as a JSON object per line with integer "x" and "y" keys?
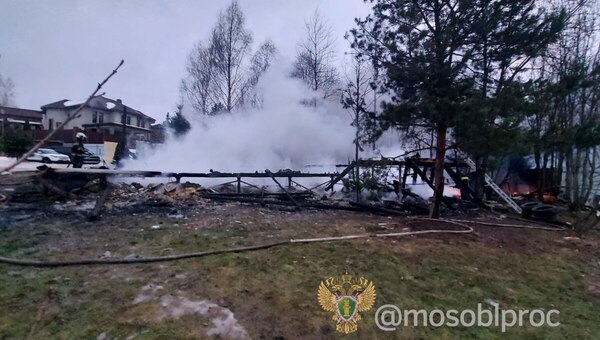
{"x": 106, "y": 172}
{"x": 95, "y": 214}
{"x": 277, "y": 195}
{"x": 420, "y": 172}
{"x": 282, "y": 188}
{"x": 425, "y": 179}
{"x": 214, "y": 174}
{"x": 422, "y": 162}
{"x": 377, "y": 209}
{"x": 358, "y": 208}
{"x": 340, "y": 176}
{"x": 49, "y": 186}
{"x": 465, "y": 188}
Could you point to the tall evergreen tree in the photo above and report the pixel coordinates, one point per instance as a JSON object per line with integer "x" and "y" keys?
{"x": 508, "y": 36}
{"x": 429, "y": 49}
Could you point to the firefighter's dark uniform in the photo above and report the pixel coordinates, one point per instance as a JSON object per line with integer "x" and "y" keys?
{"x": 77, "y": 154}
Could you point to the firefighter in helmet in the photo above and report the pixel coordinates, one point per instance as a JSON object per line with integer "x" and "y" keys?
{"x": 78, "y": 150}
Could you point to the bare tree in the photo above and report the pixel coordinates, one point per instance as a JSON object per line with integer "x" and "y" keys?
{"x": 563, "y": 127}
{"x": 259, "y": 63}
{"x": 316, "y": 54}
{"x": 230, "y": 42}
{"x": 358, "y": 97}
{"x": 223, "y": 72}
{"x": 576, "y": 112}
{"x": 7, "y": 93}
{"x": 197, "y": 85}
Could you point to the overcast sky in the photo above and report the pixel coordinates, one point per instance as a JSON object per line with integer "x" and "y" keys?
{"x": 60, "y": 49}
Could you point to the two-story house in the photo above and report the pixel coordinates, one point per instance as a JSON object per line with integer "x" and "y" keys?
{"x": 101, "y": 114}
{"x": 26, "y": 119}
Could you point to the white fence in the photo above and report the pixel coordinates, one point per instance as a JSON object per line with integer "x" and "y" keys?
{"x": 96, "y": 149}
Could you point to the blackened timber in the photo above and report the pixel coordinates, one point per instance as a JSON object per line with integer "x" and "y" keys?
{"x": 95, "y": 214}
{"x": 107, "y": 172}
{"x": 374, "y": 208}
{"x": 425, "y": 179}
{"x": 340, "y": 176}
{"x": 50, "y": 186}
{"x": 421, "y": 162}
{"x": 457, "y": 180}
{"x": 357, "y": 208}
{"x": 419, "y": 172}
{"x": 214, "y": 174}
{"x": 277, "y": 195}
{"x": 282, "y": 188}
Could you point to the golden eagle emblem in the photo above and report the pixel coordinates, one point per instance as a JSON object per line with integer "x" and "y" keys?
{"x": 346, "y": 297}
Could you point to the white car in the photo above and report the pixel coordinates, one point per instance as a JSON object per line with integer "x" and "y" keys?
{"x": 48, "y": 156}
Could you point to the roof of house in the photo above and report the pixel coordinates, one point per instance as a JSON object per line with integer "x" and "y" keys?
{"x": 98, "y": 102}
{"x": 24, "y": 114}
{"x": 129, "y": 127}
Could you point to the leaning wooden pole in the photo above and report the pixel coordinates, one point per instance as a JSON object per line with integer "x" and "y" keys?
{"x": 63, "y": 124}
{"x": 282, "y": 188}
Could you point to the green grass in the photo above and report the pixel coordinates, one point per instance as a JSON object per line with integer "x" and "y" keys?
{"x": 273, "y": 292}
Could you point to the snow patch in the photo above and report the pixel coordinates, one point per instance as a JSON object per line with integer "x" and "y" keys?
{"x": 110, "y": 105}
{"x": 73, "y": 102}
{"x": 223, "y": 322}
{"x": 146, "y": 293}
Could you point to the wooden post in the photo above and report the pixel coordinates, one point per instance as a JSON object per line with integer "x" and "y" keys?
{"x": 282, "y": 188}
{"x": 239, "y": 185}
{"x": 432, "y": 176}
{"x": 332, "y": 184}
{"x": 405, "y": 175}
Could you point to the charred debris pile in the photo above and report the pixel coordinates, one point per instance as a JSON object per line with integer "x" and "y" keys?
{"x": 118, "y": 189}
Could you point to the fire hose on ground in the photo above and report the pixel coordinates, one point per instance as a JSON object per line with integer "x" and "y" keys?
{"x": 462, "y": 224}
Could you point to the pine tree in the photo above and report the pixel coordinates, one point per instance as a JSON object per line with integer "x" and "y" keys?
{"x": 15, "y": 142}
{"x": 178, "y": 123}
{"x": 429, "y": 49}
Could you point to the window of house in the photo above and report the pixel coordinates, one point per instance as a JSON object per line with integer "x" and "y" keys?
{"x": 51, "y": 124}
{"x": 142, "y": 123}
{"x": 98, "y": 117}
{"x": 123, "y": 119}
{"x": 128, "y": 120}
{"x": 58, "y": 124}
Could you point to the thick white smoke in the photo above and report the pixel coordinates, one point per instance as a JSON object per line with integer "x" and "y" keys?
{"x": 283, "y": 134}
